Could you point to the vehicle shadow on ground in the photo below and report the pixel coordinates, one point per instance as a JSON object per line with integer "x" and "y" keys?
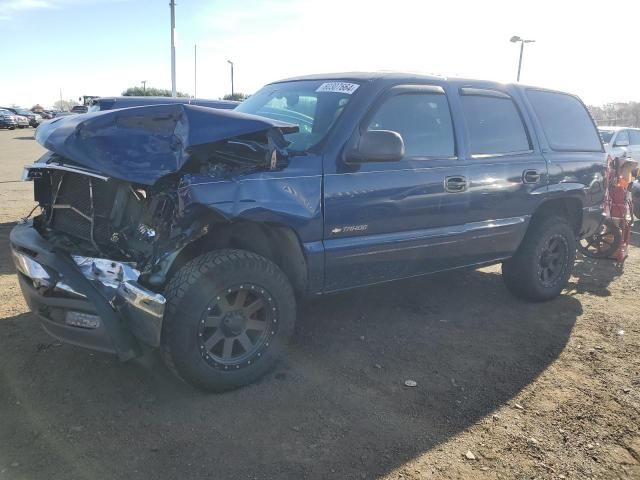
{"x": 594, "y": 275}
{"x": 6, "y": 262}
{"x": 24, "y": 138}
{"x": 336, "y": 408}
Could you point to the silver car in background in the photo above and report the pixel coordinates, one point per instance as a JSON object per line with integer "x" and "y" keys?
{"x": 22, "y": 121}
{"x": 621, "y": 141}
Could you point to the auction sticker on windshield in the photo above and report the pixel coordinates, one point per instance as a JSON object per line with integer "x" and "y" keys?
{"x": 338, "y": 87}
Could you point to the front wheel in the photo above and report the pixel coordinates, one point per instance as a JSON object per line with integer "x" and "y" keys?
{"x": 541, "y": 267}
{"x": 229, "y": 316}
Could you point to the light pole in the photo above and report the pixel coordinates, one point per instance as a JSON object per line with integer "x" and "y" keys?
{"x": 144, "y": 87}
{"x": 231, "y": 63}
{"x": 516, "y": 39}
{"x": 195, "y": 71}
{"x": 172, "y": 5}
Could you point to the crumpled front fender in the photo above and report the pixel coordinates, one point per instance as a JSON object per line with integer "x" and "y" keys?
{"x": 290, "y": 197}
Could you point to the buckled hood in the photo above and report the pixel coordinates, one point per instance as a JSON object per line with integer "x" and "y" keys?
{"x": 142, "y": 144}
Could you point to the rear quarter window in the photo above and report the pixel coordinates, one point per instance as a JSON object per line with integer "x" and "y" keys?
{"x": 494, "y": 125}
{"x": 565, "y": 121}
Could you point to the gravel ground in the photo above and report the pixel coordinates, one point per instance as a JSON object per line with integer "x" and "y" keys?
{"x": 505, "y": 389}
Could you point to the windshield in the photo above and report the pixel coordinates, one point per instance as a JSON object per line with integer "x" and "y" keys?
{"x": 23, "y": 112}
{"x": 606, "y": 135}
{"x": 312, "y": 105}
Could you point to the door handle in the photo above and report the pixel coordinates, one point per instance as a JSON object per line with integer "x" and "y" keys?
{"x": 455, "y": 184}
{"x": 531, "y": 176}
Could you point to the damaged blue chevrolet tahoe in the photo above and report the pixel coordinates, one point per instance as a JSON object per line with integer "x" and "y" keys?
{"x": 198, "y": 230}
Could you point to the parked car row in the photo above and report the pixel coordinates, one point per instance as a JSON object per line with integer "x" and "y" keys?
{"x": 7, "y": 119}
{"x": 24, "y": 118}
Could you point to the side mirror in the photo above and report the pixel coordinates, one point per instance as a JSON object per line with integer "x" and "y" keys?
{"x": 622, "y": 143}
{"x": 378, "y": 146}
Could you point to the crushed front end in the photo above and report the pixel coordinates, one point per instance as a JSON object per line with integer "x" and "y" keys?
{"x": 86, "y": 262}
{"x": 93, "y": 263}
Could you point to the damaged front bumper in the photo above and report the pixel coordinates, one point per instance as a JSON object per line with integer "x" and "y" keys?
{"x": 91, "y": 302}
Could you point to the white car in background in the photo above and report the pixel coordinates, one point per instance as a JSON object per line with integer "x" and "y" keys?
{"x": 621, "y": 140}
{"x": 22, "y": 121}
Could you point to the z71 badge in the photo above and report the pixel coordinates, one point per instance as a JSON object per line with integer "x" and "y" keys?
{"x": 349, "y": 229}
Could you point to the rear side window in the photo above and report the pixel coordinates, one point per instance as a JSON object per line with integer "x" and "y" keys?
{"x": 565, "y": 122}
{"x": 494, "y": 125}
{"x": 634, "y": 137}
{"x": 622, "y": 138}
{"x": 422, "y": 119}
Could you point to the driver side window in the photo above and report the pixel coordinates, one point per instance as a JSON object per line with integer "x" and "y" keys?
{"x": 422, "y": 119}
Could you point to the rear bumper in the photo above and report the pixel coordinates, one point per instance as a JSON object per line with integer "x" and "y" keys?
{"x": 94, "y": 303}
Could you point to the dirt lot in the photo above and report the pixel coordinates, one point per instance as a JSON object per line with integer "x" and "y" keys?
{"x": 530, "y": 390}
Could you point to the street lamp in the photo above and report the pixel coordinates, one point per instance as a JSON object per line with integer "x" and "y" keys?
{"x": 231, "y": 63}
{"x": 144, "y": 87}
{"x": 516, "y": 39}
{"x": 172, "y": 5}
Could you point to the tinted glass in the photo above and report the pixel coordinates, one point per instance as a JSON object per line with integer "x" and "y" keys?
{"x": 606, "y": 135}
{"x": 494, "y": 125}
{"x": 622, "y": 138}
{"x": 565, "y": 121}
{"x": 312, "y": 105}
{"x": 422, "y": 119}
{"x": 634, "y": 136}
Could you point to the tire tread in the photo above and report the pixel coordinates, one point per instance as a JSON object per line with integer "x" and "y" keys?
{"x": 189, "y": 276}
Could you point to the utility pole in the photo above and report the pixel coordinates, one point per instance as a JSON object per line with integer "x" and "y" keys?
{"x": 172, "y": 5}
{"x": 60, "y": 99}
{"x": 231, "y": 63}
{"x": 195, "y": 71}
{"x": 144, "y": 87}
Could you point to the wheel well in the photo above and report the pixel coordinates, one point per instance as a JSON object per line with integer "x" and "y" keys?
{"x": 570, "y": 208}
{"x": 274, "y": 242}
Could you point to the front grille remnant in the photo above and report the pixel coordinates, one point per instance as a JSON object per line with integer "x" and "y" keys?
{"x": 81, "y": 206}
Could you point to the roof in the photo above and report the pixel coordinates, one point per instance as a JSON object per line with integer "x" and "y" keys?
{"x": 362, "y": 76}
{"x": 410, "y": 76}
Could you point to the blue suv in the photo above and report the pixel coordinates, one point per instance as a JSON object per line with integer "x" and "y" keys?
{"x": 198, "y": 230}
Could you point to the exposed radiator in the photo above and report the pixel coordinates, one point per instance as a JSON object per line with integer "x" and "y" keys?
{"x": 83, "y": 204}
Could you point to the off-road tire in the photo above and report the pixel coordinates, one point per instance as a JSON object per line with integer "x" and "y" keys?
{"x": 189, "y": 294}
{"x": 522, "y": 272}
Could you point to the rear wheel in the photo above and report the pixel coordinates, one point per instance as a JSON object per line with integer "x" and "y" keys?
{"x": 229, "y": 316}
{"x": 541, "y": 267}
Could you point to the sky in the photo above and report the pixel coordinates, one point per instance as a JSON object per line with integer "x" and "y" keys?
{"x": 102, "y": 47}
